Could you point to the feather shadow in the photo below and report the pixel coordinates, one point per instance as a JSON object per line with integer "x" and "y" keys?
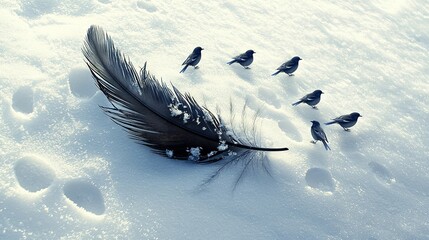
{"x": 172, "y": 124}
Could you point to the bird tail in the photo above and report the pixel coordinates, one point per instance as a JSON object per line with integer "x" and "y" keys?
{"x": 278, "y": 71}
{"x": 326, "y": 145}
{"x": 294, "y": 104}
{"x": 231, "y": 62}
{"x": 184, "y": 68}
{"x": 329, "y": 123}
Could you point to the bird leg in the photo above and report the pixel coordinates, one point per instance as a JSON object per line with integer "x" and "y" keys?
{"x": 196, "y": 67}
{"x": 290, "y": 74}
{"x": 314, "y": 107}
{"x": 313, "y": 142}
{"x": 347, "y": 129}
{"x": 247, "y": 67}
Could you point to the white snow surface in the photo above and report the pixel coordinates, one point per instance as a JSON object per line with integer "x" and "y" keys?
{"x": 68, "y": 172}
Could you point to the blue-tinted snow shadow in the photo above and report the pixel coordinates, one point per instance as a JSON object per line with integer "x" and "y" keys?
{"x": 347, "y": 141}
{"x": 308, "y": 114}
{"x": 318, "y": 156}
{"x": 245, "y": 74}
{"x": 195, "y": 76}
{"x": 289, "y": 84}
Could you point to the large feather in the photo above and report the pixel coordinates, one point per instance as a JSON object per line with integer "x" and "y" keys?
{"x": 170, "y": 123}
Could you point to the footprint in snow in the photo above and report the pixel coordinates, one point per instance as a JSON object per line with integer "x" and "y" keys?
{"x": 381, "y": 173}
{"x": 85, "y": 196}
{"x": 321, "y": 179}
{"x": 33, "y": 174}
{"x": 147, "y": 5}
{"x": 22, "y": 100}
{"x": 81, "y": 83}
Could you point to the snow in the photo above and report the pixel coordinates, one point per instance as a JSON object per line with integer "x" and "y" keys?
{"x": 67, "y": 171}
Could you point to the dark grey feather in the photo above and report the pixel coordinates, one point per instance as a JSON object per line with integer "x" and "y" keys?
{"x": 170, "y": 123}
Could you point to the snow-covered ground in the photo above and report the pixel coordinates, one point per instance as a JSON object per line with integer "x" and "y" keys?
{"x": 67, "y": 171}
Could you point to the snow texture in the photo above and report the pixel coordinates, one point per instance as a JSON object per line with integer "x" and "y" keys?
{"x": 68, "y": 172}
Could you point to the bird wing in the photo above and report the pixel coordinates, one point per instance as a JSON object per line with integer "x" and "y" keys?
{"x": 285, "y": 65}
{"x": 319, "y": 132}
{"x": 343, "y": 119}
{"x": 192, "y": 57}
{"x": 242, "y": 57}
{"x": 309, "y": 97}
{"x": 324, "y": 136}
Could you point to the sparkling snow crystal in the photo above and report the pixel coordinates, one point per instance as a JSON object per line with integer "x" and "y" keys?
{"x": 194, "y": 154}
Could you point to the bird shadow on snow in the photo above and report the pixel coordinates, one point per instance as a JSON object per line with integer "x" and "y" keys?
{"x": 195, "y": 76}
{"x": 245, "y": 74}
{"x": 347, "y": 141}
{"x": 289, "y": 85}
{"x": 307, "y": 114}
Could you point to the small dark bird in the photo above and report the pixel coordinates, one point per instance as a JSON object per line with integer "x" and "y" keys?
{"x": 319, "y": 135}
{"x": 346, "y": 121}
{"x": 311, "y": 99}
{"x": 245, "y": 59}
{"x": 288, "y": 67}
{"x": 193, "y": 59}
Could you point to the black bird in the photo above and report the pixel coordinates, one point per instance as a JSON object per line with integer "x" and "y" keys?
{"x": 319, "y": 135}
{"x": 311, "y": 99}
{"x": 245, "y": 59}
{"x": 288, "y": 67}
{"x": 346, "y": 121}
{"x": 193, "y": 59}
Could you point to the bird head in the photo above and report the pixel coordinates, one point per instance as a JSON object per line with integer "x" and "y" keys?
{"x": 318, "y": 92}
{"x": 250, "y": 52}
{"x": 315, "y": 123}
{"x": 296, "y": 59}
{"x": 355, "y": 115}
{"x": 198, "y": 49}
